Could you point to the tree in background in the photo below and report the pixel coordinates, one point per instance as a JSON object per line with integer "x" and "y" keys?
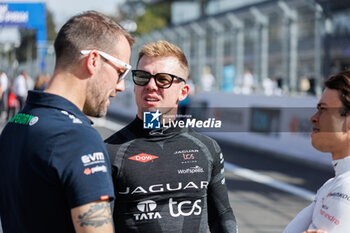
{"x": 147, "y": 16}
{"x": 151, "y": 15}
{"x": 155, "y": 17}
{"x": 50, "y": 26}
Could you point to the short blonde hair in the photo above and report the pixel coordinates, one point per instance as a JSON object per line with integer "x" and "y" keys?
{"x": 162, "y": 48}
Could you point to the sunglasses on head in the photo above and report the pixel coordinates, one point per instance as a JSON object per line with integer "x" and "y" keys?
{"x": 163, "y": 80}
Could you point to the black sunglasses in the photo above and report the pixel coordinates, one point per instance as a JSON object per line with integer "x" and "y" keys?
{"x": 163, "y": 80}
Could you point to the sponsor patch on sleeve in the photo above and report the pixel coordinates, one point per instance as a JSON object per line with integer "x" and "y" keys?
{"x": 104, "y": 198}
{"x": 94, "y": 158}
{"x": 221, "y": 158}
{"x": 223, "y": 181}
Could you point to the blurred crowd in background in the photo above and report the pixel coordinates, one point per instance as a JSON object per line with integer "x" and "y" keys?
{"x": 13, "y": 91}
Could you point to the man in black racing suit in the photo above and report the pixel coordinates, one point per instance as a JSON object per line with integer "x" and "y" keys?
{"x": 168, "y": 179}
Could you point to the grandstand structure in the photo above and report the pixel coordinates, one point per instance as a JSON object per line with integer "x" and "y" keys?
{"x": 288, "y": 41}
{"x": 284, "y": 40}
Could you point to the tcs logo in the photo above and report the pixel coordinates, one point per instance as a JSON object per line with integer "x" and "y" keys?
{"x": 178, "y": 208}
{"x": 188, "y": 156}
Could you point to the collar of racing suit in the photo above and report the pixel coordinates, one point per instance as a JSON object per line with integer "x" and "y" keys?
{"x": 341, "y": 165}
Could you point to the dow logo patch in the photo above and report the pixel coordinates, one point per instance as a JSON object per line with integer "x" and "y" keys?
{"x": 151, "y": 120}
{"x": 144, "y": 158}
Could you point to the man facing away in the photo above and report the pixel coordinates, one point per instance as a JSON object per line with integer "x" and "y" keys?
{"x": 330, "y": 210}
{"x": 54, "y": 168}
{"x": 168, "y": 179}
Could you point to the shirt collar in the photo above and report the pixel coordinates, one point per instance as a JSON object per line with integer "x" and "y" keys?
{"x": 341, "y": 165}
{"x": 54, "y": 101}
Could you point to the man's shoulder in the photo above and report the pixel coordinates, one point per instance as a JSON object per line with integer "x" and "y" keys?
{"x": 202, "y": 137}
{"x": 205, "y": 139}
{"x": 52, "y": 121}
{"x": 58, "y": 117}
{"x": 122, "y": 136}
{"x": 343, "y": 181}
{"x": 337, "y": 184}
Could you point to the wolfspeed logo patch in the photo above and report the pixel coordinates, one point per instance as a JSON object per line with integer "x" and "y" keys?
{"x": 191, "y": 170}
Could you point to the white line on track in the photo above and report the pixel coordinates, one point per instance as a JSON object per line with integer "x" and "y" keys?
{"x": 267, "y": 180}
{"x": 237, "y": 170}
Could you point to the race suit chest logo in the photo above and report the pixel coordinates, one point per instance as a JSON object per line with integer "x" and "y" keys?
{"x": 184, "y": 208}
{"x": 342, "y": 196}
{"x": 147, "y": 211}
{"x": 188, "y": 156}
{"x": 176, "y": 209}
{"x": 144, "y": 158}
{"x": 151, "y": 120}
{"x": 159, "y": 188}
{"x": 329, "y": 217}
{"x": 191, "y": 170}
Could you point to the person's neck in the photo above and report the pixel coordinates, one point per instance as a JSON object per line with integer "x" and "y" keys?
{"x": 337, "y": 156}
{"x": 68, "y": 86}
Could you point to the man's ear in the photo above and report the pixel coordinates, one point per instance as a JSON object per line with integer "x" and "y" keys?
{"x": 91, "y": 62}
{"x": 184, "y": 92}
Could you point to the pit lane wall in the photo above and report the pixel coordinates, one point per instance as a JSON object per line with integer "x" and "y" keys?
{"x": 278, "y": 125}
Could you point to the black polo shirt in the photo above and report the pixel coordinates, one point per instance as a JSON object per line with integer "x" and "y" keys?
{"x": 51, "y": 160}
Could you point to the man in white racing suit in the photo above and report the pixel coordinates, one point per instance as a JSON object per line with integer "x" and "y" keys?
{"x": 330, "y": 211}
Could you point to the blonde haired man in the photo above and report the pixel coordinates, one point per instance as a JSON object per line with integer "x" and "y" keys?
{"x": 167, "y": 179}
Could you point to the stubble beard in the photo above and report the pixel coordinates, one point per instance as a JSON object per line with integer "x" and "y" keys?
{"x": 95, "y": 104}
{"x": 97, "y": 111}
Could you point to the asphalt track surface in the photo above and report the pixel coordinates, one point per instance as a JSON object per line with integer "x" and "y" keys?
{"x": 265, "y": 191}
